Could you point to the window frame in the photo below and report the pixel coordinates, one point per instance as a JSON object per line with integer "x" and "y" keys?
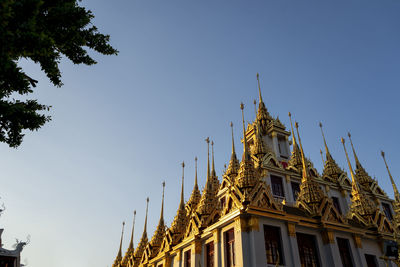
{"x": 275, "y": 178}
{"x": 210, "y": 254}
{"x": 344, "y": 245}
{"x": 229, "y": 248}
{"x": 314, "y": 247}
{"x": 281, "y": 256}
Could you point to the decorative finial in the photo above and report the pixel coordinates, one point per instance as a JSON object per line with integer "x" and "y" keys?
{"x": 212, "y": 155}
{"x": 120, "y": 244}
{"x": 182, "y": 204}
{"x": 259, "y": 88}
{"x": 162, "y": 203}
{"x": 245, "y": 152}
{"x": 208, "y": 157}
{"x": 305, "y": 169}
{"x": 145, "y": 220}
{"x": 353, "y": 178}
{"x": 323, "y": 136}
{"x": 354, "y": 151}
{"x": 195, "y": 177}
{"x": 133, "y": 230}
{"x": 233, "y": 143}
{"x": 291, "y": 126}
{"x": 396, "y": 191}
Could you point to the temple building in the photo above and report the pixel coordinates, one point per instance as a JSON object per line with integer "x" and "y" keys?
{"x": 273, "y": 208}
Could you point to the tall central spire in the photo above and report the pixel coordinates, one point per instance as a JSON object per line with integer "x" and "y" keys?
{"x": 129, "y": 253}
{"x": 245, "y": 148}
{"x": 323, "y": 136}
{"x": 162, "y": 203}
{"x": 233, "y": 166}
{"x": 118, "y": 259}
{"x": 195, "y": 176}
{"x": 137, "y": 256}
{"x": 145, "y": 219}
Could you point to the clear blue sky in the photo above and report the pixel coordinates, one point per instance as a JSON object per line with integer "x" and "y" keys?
{"x": 123, "y": 126}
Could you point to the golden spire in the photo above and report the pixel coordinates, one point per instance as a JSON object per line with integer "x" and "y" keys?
{"x": 233, "y": 166}
{"x": 396, "y": 192}
{"x": 354, "y": 151}
{"x": 195, "y": 177}
{"x": 208, "y": 157}
{"x": 361, "y": 205}
{"x": 145, "y": 220}
{"x": 143, "y": 241}
{"x": 331, "y": 171}
{"x": 361, "y": 174}
{"x": 130, "y": 250}
{"x": 291, "y": 126}
{"x": 323, "y": 136}
{"x": 133, "y": 229}
{"x": 182, "y": 203}
{"x": 245, "y": 149}
{"x": 233, "y": 142}
{"x": 162, "y": 203}
{"x": 155, "y": 243}
{"x": 303, "y": 160}
{"x": 311, "y": 195}
{"x": 119, "y": 255}
{"x": 246, "y": 175}
{"x": 195, "y": 196}
{"x": 259, "y": 88}
{"x": 213, "y": 165}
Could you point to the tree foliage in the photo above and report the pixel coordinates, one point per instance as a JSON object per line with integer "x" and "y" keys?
{"x": 42, "y": 31}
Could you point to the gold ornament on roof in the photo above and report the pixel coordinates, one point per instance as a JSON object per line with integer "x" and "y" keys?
{"x": 362, "y": 207}
{"x": 233, "y": 166}
{"x": 331, "y": 171}
{"x": 129, "y": 253}
{"x": 118, "y": 259}
{"x": 247, "y": 176}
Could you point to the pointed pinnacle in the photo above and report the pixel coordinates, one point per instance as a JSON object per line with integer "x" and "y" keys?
{"x": 133, "y": 229}
{"x": 212, "y": 153}
{"x": 245, "y": 156}
{"x": 291, "y": 126}
{"x": 322, "y": 156}
{"x": 259, "y": 88}
{"x": 145, "y": 220}
{"x": 323, "y": 136}
{"x": 162, "y": 203}
{"x": 233, "y": 143}
{"x": 182, "y": 203}
{"x": 353, "y": 178}
{"x": 208, "y": 157}
{"x": 354, "y": 151}
{"x": 305, "y": 168}
{"x": 120, "y": 244}
{"x": 195, "y": 177}
{"x": 396, "y": 192}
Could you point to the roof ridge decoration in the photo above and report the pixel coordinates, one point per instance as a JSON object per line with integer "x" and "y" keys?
{"x": 129, "y": 253}
{"x": 118, "y": 259}
{"x": 137, "y": 256}
{"x": 194, "y": 199}
{"x": 364, "y": 179}
{"x": 332, "y": 172}
{"x": 362, "y": 207}
{"x": 154, "y": 245}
